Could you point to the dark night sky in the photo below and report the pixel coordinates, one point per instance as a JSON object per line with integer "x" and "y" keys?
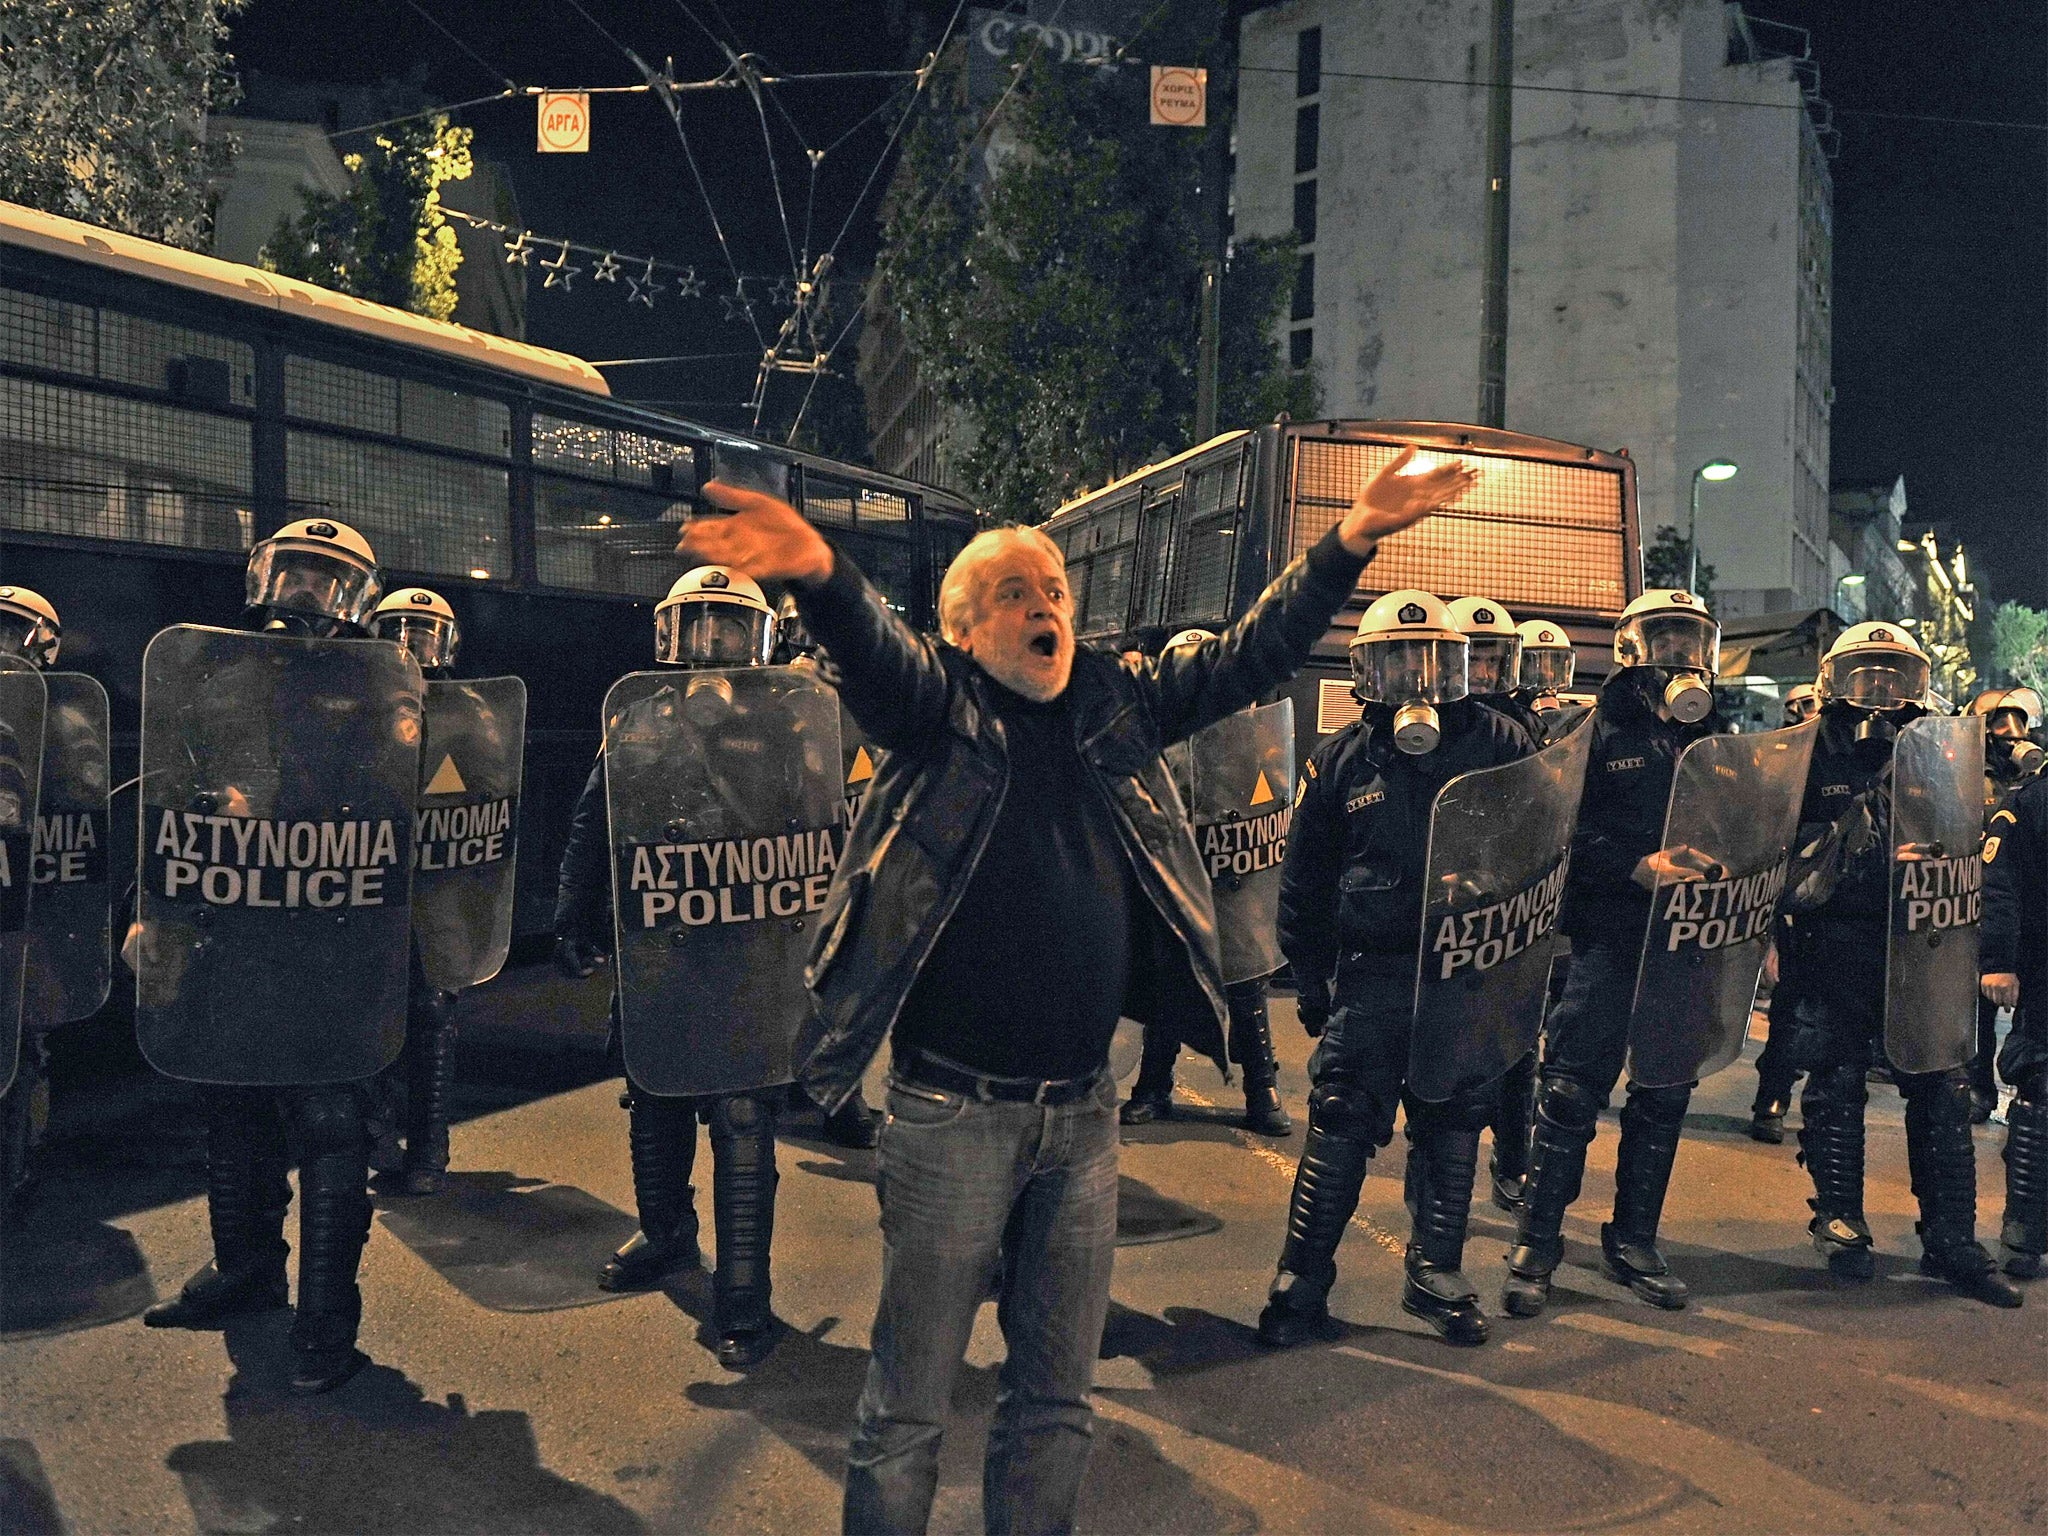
{"x": 1941, "y": 230}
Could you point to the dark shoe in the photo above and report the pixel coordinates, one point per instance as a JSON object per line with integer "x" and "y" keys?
{"x": 1844, "y": 1241}
{"x": 1528, "y": 1284}
{"x": 1971, "y": 1270}
{"x": 408, "y": 1183}
{"x": 322, "y": 1370}
{"x": 1981, "y": 1106}
{"x": 1297, "y": 1311}
{"x": 1264, "y": 1115}
{"x": 739, "y": 1349}
{"x": 1251, "y": 1047}
{"x": 1767, "y": 1122}
{"x": 2021, "y": 1264}
{"x": 1639, "y": 1266}
{"x": 210, "y": 1297}
{"x": 853, "y": 1125}
{"x": 1508, "y": 1188}
{"x": 642, "y": 1263}
{"x": 1143, "y": 1111}
{"x": 1444, "y": 1299}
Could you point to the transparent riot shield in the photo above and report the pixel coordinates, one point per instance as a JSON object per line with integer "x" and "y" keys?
{"x": 1238, "y": 779}
{"x": 859, "y": 760}
{"x": 1499, "y": 855}
{"x": 279, "y": 779}
{"x": 72, "y": 952}
{"x": 466, "y": 830}
{"x": 1930, "y": 1003}
{"x": 727, "y": 821}
{"x": 1734, "y": 810}
{"x": 23, "y": 701}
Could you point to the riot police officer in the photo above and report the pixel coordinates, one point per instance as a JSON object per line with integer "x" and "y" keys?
{"x": 2014, "y": 966}
{"x": 1776, "y": 1075}
{"x": 1547, "y": 666}
{"x": 1873, "y": 684}
{"x": 711, "y": 618}
{"x": 1351, "y": 905}
{"x": 1658, "y": 702}
{"x": 1244, "y": 920}
{"x": 316, "y": 578}
{"x": 29, "y": 627}
{"x": 2010, "y": 760}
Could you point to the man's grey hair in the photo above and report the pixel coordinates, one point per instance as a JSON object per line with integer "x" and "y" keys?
{"x": 961, "y": 590}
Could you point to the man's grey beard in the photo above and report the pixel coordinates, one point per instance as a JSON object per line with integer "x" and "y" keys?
{"x": 1034, "y": 688}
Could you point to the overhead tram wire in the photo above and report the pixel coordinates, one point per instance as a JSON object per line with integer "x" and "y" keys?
{"x": 480, "y": 61}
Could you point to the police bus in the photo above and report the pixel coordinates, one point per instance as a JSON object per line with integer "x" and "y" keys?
{"x": 1550, "y": 532}
{"x": 160, "y": 411}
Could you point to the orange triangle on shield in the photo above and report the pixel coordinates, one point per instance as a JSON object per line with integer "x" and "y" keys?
{"x": 446, "y": 780}
{"x": 1262, "y": 792}
{"x": 863, "y": 767}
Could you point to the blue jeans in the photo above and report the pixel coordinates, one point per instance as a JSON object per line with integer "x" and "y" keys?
{"x": 972, "y": 1191}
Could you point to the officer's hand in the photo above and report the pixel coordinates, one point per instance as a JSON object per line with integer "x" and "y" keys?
{"x": 1771, "y": 966}
{"x": 2002, "y": 988}
{"x": 131, "y": 945}
{"x": 577, "y": 958}
{"x": 765, "y": 538}
{"x": 1916, "y": 853}
{"x": 1313, "y": 1017}
{"x": 1667, "y": 866}
{"x": 1398, "y": 496}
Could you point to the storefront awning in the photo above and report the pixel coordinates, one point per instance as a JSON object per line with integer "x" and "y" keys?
{"x": 1787, "y": 646}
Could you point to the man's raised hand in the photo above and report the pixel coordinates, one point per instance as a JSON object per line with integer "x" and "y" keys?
{"x": 1394, "y": 499}
{"x": 765, "y": 538}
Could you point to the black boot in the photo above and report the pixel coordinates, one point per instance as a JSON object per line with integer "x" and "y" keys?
{"x": 1565, "y": 1114}
{"x": 246, "y": 1198}
{"x": 1944, "y": 1169}
{"x": 662, "y": 1138}
{"x": 853, "y": 1124}
{"x": 24, "y": 1111}
{"x": 2025, "y": 1235}
{"x": 1831, "y": 1148}
{"x": 1152, "y": 1095}
{"x": 743, "y": 1181}
{"x": 334, "y": 1222}
{"x": 1251, "y": 1048}
{"x": 1509, "y": 1165}
{"x": 1326, "y": 1187}
{"x": 430, "y": 1085}
{"x": 1436, "y": 1289}
{"x": 1650, "y": 1124}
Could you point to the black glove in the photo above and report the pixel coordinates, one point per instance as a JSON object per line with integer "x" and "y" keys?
{"x": 1313, "y": 1017}
{"x": 577, "y": 958}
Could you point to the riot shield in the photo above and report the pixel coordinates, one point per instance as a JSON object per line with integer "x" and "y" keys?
{"x": 279, "y": 779}
{"x": 1238, "y": 779}
{"x": 466, "y": 830}
{"x": 724, "y": 791}
{"x": 23, "y": 701}
{"x": 1734, "y": 803}
{"x": 859, "y": 760}
{"x": 71, "y": 968}
{"x": 1930, "y": 1003}
{"x": 1499, "y": 855}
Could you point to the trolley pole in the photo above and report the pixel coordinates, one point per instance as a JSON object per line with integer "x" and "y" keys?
{"x": 1500, "y": 142}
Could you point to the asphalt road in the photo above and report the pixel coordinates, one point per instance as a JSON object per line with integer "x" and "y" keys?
{"x": 509, "y": 1395}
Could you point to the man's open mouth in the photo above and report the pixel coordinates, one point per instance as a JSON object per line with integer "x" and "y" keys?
{"x": 1047, "y": 646}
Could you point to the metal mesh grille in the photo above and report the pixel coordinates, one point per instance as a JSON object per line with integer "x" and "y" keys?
{"x": 1336, "y": 706}
{"x": 419, "y": 511}
{"x": 841, "y": 504}
{"x": 473, "y": 423}
{"x": 605, "y": 538}
{"x": 52, "y": 334}
{"x": 632, "y": 458}
{"x": 1106, "y": 600}
{"x": 1202, "y": 563}
{"x": 378, "y": 402}
{"x": 47, "y": 333}
{"x": 1543, "y": 534}
{"x": 100, "y": 467}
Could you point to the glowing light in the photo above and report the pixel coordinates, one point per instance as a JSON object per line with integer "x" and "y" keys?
{"x": 1854, "y": 581}
{"x": 604, "y": 520}
{"x": 480, "y": 573}
{"x": 1719, "y": 469}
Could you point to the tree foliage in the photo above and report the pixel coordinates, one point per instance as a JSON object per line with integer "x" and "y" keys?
{"x": 106, "y": 104}
{"x": 1665, "y": 561}
{"x": 385, "y": 239}
{"x": 1056, "y": 301}
{"x": 2019, "y": 643}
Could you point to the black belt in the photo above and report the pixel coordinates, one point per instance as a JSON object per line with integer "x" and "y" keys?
{"x": 938, "y": 1072}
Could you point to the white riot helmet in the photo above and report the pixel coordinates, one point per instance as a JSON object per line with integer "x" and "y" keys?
{"x": 1672, "y": 630}
{"x": 1493, "y": 662}
{"x": 419, "y": 621}
{"x": 714, "y": 617}
{"x": 315, "y": 566}
{"x": 1802, "y": 704}
{"x": 1409, "y": 653}
{"x": 1991, "y": 704}
{"x": 1874, "y": 666}
{"x": 1189, "y": 637}
{"x": 29, "y": 627}
{"x": 1548, "y": 661}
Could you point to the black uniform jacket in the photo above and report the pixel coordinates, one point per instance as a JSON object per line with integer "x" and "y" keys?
{"x": 1635, "y": 754}
{"x": 583, "y": 896}
{"x": 2015, "y": 936}
{"x": 1352, "y": 879}
{"x": 1848, "y": 801}
{"x": 936, "y": 794}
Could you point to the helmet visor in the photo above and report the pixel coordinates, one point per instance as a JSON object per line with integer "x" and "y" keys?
{"x": 1875, "y": 679}
{"x": 711, "y": 634}
{"x": 298, "y": 580}
{"x": 432, "y": 639}
{"x": 1802, "y": 709}
{"x": 1405, "y": 671}
{"x": 1685, "y": 642}
{"x": 1493, "y": 665}
{"x": 1546, "y": 671}
{"x": 28, "y": 637}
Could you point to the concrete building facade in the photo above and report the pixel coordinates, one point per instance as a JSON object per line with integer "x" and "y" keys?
{"x": 1670, "y": 238}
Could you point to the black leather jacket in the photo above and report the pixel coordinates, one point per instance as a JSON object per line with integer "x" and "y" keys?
{"x": 2016, "y": 891}
{"x": 937, "y": 792}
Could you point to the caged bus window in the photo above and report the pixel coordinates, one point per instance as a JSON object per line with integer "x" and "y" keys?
{"x": 339, "y": 396}
{"x": 873, "y": 528}
{"x": 420, "y": 511}
{"x": 102, "y": 466}
{"x": 605, "y": 538}
{"x": 56, "y": 336}
{"x": 1205, "y": 543}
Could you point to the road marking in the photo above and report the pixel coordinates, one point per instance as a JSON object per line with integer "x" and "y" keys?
{"x": 1755, "y": 1324}
{"x": 1975, "y": 1404}
{"x": 1636, "y": 1333}
{"x": 1287, "y": 1167}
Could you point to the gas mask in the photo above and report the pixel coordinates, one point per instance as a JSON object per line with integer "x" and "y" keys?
{"x": 1687, "y": 698}
{"x": 1413, "y": 677}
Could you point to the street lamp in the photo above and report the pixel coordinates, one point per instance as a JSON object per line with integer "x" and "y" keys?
{"x": 1713, "y": 469}
{"x": 1853, "y": 579}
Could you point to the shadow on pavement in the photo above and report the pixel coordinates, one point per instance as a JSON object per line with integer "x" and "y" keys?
{"x": 373, "y": 1457}
{"x": 28, "y": 1504}
{"x": 1143, "y": 1215}
{"x": 513, "y": 1244}
{"x": 61, "y": 1273}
